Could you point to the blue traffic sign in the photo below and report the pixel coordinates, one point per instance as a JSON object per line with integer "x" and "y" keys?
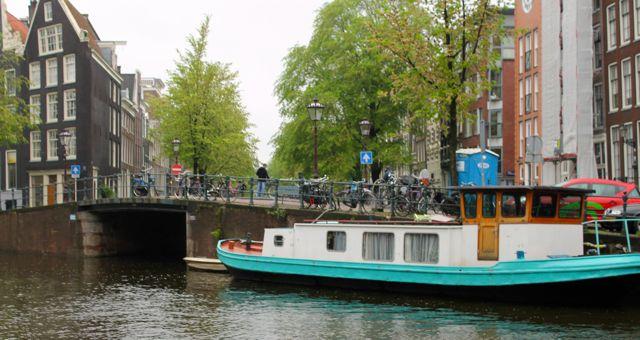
{"x": 366, "y": 157}
{"x": 75, "y": 171}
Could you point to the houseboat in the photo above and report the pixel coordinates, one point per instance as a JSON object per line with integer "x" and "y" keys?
{"x": 522, "y": 243}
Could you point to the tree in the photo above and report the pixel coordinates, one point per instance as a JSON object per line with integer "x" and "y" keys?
{"x": 203, "y": 109}
{"x": 441, "y": 44}
{"x": 14, "y": 113}
{"x": 346, "y": 72}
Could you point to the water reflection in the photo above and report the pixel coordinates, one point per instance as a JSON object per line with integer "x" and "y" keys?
{"x": 44, "y": 297}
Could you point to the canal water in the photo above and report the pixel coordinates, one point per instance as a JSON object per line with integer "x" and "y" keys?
{"x": 52, "y": 297}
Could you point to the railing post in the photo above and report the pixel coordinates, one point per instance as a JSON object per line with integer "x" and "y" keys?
{"x": 626, "y": 231}
{"x": 330, "y": 197}
{"x": 166, "y": 185}
{"x": 204, "y": 186}
{"x": 597, "y": 237}
{"x": 301, "y": 192}
{"x": 227, "y": 188}
{"x": 361, "y": 197}
{"x": 251, "y": 191}
{"x": 393, "y": 199}
{"x": 275, "y": 196}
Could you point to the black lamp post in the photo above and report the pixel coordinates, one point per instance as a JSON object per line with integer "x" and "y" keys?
{"x": 176, "y": 148}
{"x": 315, "y": 113}
{"x": 63, "y": 139}
{"x": 365, "y": 130}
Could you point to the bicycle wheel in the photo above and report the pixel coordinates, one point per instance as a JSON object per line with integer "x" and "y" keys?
{"x": 368, "y": 201}
{"x": 402, "y": 206}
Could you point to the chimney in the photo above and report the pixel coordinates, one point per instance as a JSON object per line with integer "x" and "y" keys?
{"x": 32, "y": 10}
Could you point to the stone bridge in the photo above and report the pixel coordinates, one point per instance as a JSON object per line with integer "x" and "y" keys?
{"x": 142, "y": 226}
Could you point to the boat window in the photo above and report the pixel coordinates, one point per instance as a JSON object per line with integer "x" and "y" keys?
{"x": 336, "y": 240}
{"x": 569, "y": 206}
{"x": 514, "y": 204}
{"x": 544, "y": 205}
{"x": 470, "y": 204}
{"x": 377, "y": 246}
{"x": 421, "y": 248}
{"x": 278, "y": 240}
{"x": 489, "y": 205}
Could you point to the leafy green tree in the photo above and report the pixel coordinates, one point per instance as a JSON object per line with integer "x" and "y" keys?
{"x": 347, "y": 73}
{"x": 442, "y": 44}
{"x": 203, "y": 109}
{"x": 14, "y": 113}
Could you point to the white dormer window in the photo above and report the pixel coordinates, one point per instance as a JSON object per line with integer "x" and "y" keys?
{"x": 52, "y": 72}
{"x": 50, "y": 39}
{"x": 70, "y": 68}
{"x": 48, "y": 11}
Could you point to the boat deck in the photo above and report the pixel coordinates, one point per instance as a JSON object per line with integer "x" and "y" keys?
{"x": 240, "y": 247}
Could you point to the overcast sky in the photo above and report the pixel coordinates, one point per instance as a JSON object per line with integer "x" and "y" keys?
{"x": 253, "y": 35}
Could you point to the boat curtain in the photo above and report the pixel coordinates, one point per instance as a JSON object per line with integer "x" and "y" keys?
{"x": 377, "y": 246}
{"x": 422, "y": 248}
{"x": 337, "y": 240}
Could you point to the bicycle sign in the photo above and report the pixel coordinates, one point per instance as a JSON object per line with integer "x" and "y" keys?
{"x": 75, "y": 171}
{"x": 366, "y": 157}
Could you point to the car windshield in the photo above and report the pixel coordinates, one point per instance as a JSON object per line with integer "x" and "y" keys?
{"x": 607, "y": 190}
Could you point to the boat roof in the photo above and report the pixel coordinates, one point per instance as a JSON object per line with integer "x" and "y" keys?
{"x": 524, "y": 187}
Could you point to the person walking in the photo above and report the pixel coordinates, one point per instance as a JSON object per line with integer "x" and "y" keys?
{"x": 263, "y": 176}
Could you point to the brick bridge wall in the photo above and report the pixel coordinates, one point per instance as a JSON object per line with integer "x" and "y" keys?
{"x": 116, "y": 229}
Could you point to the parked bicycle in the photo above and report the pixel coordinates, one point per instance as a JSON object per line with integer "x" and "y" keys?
{"x": 356, "y": 195}
{"x": 142, "y": 188}
{"x": 316, "y": 193}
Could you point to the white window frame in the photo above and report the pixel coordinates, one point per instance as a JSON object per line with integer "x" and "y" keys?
{"x": 35, "y": 80}
{"x": 72, "y": 148}
{"x": 521, "y": 102}
{"x": 35, "y": 109}
{"x": 52, "y": 156}
{"x": 67, "y": 116}
{"x": 535, "y": 48}
{"x": 50, "y": 34}
{"x": 521, "y": 56}
{"x": 35, "y": 156}
{"x": 52, "y": 79}
{"x": 612, "y": 35}
{"x": 536, "y": 92}
{"x": 528, "y": 95}
{"x": 613, "y": 105}
{"x": 624, "y": 42}
{"x": 6, "y": 169}
{"x": 50, "y": 117}
{"x": 636, "y": 18}
{"x": 625, "y": 91}
{"x": 637, "y": 79}
{"x": 48, "y": 11}
{"x": 521, "y": 139}
{"x": 69, "y": 68}
{"x": 10, "y": 85}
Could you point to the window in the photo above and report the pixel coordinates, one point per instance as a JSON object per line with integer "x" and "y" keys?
{"x": 48, "y": 12}
{"x": 336, "y": 240}
{"x": 470, "y": 205}
{"x": 636, "y": 18}
{"x": 601, "y": 165}
{"x": 521, "y": 139}
{"x": 69, "y": 104}
{"x": 615, "y": 148}
{"x": 535, "y": 48}
{"x": 495, "y": 123}
{"x": 496, "y": 84}
{"x": 597, "y": 47}
{"x": 535, "y": 92}
{"x": 596, "y": 5}
{"x": 377, "y": 246}
{"x": 114, "y": 154}
{"x": 569, "y": 206}
{"x": 489, "y": 205}
{"x": 521, "y": 108}
{"x": 527, "y": 103}
{"x": 35, "y": 146}
{"x": 52, "y": 107}
{"x": 625, "y": 25}
{"x": 638, "y": 78}
{"x": 613, "y": 88}
{"x": 34, "y": 109}
{"x": 421, "y": 248}
{"x": 72, "y": 147}
{"x": 52, "y": 145}
{"x": 544, "y": 205}
{"x": 50, "y": 39}
{"x": 521, "y": 55}
{"x": 10, "y": 82}
{"x": 34, "y": 75}
{"x": 627, "y": 136}
{"x": 527, "y": 52}
{"x": 278, "y": 240}
{"x": 114, "y": 121}
{"x": 535, "y": 126}
{"x": 11, "y": 167}
{"x": 70, "y": 68}
{"x": 626, "y": 83}
{"x": 611, "y": 27}
{"x": 598, "y": 113}
{"x": 514, "y": 204}
{"x": 52, "y": 72}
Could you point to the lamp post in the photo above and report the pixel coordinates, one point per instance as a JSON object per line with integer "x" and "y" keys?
{"x": 365, "y": 130}
{"x": 63, "y": 139}
{"x": 315, "y": 114}
{"x": 176, "y": 147}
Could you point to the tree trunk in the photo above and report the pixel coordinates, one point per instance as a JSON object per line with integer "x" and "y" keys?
{"x": 452, "y": 140}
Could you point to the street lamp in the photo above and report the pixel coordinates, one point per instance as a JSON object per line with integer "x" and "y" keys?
{"x": 176, "y": 147}
{"x": 63, "y": 139}
{"x": 365, "y": 130}
{"x": 315, "y": 113}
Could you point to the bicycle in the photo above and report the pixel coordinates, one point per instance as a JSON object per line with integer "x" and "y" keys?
{"x": 356, "y": 195}
{"x": 142, "y": 188}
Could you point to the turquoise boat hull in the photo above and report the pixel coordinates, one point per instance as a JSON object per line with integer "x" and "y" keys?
{"x": 535, "y": 279}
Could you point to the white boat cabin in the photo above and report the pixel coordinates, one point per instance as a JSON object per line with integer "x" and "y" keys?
{"x": 496, "y": 224}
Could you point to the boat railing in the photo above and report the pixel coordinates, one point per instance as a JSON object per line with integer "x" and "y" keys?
{"x": 625, "y": 223}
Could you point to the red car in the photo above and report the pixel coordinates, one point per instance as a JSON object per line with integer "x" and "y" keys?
{"x": 607, "y": 194}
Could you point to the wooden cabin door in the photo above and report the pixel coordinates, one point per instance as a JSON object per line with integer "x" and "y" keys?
{"x": 488, "y": 229}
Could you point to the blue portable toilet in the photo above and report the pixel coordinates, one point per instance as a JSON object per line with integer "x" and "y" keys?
{"x": 470, "y": 164}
